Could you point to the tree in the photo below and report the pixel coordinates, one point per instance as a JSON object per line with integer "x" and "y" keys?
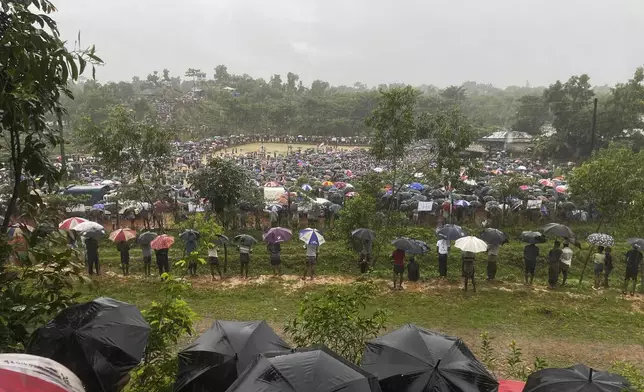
{"x": 223, "y": 184}
{"x": 35, "y": 73}
{"x": 453, "y": 94}
{"x": 291, "y": 80}
{"x": 531, "y": 115}
{"x": 221, "y": 74}
{"x": 336, "y": 318}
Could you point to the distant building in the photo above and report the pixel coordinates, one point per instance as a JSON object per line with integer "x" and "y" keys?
{"x": 510, "y": 141}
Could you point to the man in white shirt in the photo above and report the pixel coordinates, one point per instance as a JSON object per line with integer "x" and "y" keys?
{"x": 443, "y": 250}
{"x": 566, "y": 261}
{"x": 311, "y": 259}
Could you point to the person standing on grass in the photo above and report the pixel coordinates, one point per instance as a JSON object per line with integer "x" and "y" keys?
{"x": 191, "y": 246}
{"x": 468, "y": 259}
{"x": 146, "y": 252}
{"x": 124, "y": 250}
{"x": 633, "y": 264}
{"x": 163, "y": 263}
{"x": 608, "y": 265}
{"x": 398, "y": 257}
{"x": 554, "y": 259}
{"x": 244, "y": 259}
{"x": 274, "y": 251}
{"x": 599, "y": 259}
{"x": 213, "y": 260}
{"x": 311, "y": 260}
{"x": 565, "y": 262}
{"x": 365, "y": 256}
{"x": 492, "y": 257}
{"x": 91, "y": 249}
{"x": 530, "y": 256}
{"x": 443, "y": 251}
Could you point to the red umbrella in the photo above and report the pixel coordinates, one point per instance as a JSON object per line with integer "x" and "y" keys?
{"x": 163, "y": 241}
{"x": 70, "y": 223}
{"x": 340, "y": 184}
{"x": 30, "y": 373}
{"x": 546, "y": 182}
{"x": 271, "y": 184}
{"x": 511, "y": 386}
{"x": 122, "y": 235}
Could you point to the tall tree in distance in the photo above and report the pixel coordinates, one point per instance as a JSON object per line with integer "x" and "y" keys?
{"x": 531, "y": 115}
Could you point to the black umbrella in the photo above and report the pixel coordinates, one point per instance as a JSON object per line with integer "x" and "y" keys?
{"x": 213, "y": 362}
{"x": 190, "y": 235}
{"x": 100, "y": 341}
{"x": 532, "y": 237}
{"x": 578, "y": 378}
{"x": 363, "y": 234}
{"x": 409, "y": 245}
{"x": 413, "y": 359}
{"x": 558, "y": 230}
{"x": 451, "y": 232}
{"x": 307, "y": 370}
{"x": 146, "y": 237}
{"x": 636, "y": 242}
{"x": 245, "y": 239}
{"x": 494, "y": 236}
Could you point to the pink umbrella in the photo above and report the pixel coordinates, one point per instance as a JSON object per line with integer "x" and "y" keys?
{"x": 351, "y": 194}
{"x": 163, "y": 241}
{"x": 340, "y": 184}
{"x": 70, "y": 223}
{"x": 30, "y": 373}
{"x": 546, "y": 182}
{"x": 562, "y": 189}
{"x": 511, "y": 386}
{"x": 524, "y": 187}
{"x": 122, "y": 235}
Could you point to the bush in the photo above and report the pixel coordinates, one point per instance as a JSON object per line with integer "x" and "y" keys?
{"x": 336, "y": 319}
{"x": 170, "y": 320}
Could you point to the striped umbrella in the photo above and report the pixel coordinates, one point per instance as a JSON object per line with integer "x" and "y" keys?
{"x": 163, "y": 241}
{"x": 70, "y": 223}
{"x": 311, "y": 237}
{"x": 122, "y": 235}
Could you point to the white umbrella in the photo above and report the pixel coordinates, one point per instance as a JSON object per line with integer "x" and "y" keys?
{"x": 471, "y": 244}
{"x": 90, "y": 229}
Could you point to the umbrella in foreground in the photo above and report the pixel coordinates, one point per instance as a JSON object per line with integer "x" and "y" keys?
{"x": 363, "y": 234}
{"x": 90, "y": 229}
{"x": 100, "y": 341}
{"x": 451, "y": 232}
{"x": 558, "y": 230}
{"x": 578, "y": 378}
{"x": 601, "y": 239}
{"x": 245, "y": 239}
{"x": 70, "y": 223}
{"x": 409, "y": 245}
{"x": 217, "y": 357}
{"x": 163, "y": 241}
{"x": 471, "y": 244}
{"x": 532, "y": 237}
{"x": 311, "y": 237}
{"x": 636, "y": 242}
{"x": 414, "y": 359}
{"x": 146, "y": 237}
{"x": 511, "y": 386}
{"x": 278, "y": 234}
{"x": 308, "y": 370}
{"x": 30, "y": 373}
{"x": 189, "y": 235}
{"x": 122, "y": 235}
{"x": 494, "y": 236}
{"x": 424, "y": 248}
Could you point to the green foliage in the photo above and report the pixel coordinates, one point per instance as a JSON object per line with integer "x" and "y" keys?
{"x": 335, "y": 318}
{"x": 631, "y": 372}
{"x": 531, "y": 115}
{"x": 224, "y": 184}
{"x": 170, "y": 320}
{"x": 357, "y": 212}
{"x": 205, "y": 225}
{"x": 487, "y": 352}
{"x": 516, "y": 367}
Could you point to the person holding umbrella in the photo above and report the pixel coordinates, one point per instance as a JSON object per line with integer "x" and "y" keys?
{"x": 273, "y": 238}
{"x": 366, "y": 237}
{"x": 213, "y": 260}
{"x": 494, "y": 238}
{"x": 398, "y": 258}
{"x": 312, "y": 241}
{"x": 161, "y": 246}
{"x": 442, "y": 246}
{"x": 565, "y": 262}
{"x": 599, "y": 259}
{"x": 245, "y": 245}
{"x": 633, "y": 264}
{"x": 470, "y": 245}
{"x": 554, "y": 259}
{"x": 144, "y": 242}
{"x": 120, "y": 237}
{"x": 91, "y": 250}
{"x": 530, "y": 254}
{"x": 190, "y": 238}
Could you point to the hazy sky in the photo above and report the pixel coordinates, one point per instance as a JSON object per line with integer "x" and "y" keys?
{"x": 437, "y": 42}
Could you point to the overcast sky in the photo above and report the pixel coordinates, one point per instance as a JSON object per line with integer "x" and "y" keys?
{"x": 440, "y": 42}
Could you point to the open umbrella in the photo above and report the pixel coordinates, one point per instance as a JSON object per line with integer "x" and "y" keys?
{"x": 636, "y": 242}
{"x": 409, "y": 245}
{"x": 221, "y": 239}
{"x": 316, "y": 369}
{"x": 532, "y": 237}
{"x": 424, "y": 248}
{"x": 311, "y": 237}
{"x": 90, "y": 229}
{"x": 307, "y": 187}
{"x": 416, "y": 185}
{"x": 494, "y": 236}
{"x": 578, "y": 378}
{"x": 278, "y": 234}
{"x": 363, "y": 234}
{"x": 122, "y": 235}
{"x": 601, "y": 239}
{"x": 558, "y": 230}
{"x": 414, "y": 359}
{"x": 213, "y": 362}
{"x": 511, "y": 386}
{"x": 146, "y": 237}
{"x": 70, "y": 223}
{"x": 31, "y": 373}
{"x": 190, "y": 235}
{"x": 100, "y": 341}
{"x": 471, "y": 244}
{"x": 163, "y": 241}
{"x": 451, "y": 232}
{"x": 245, "y": 239}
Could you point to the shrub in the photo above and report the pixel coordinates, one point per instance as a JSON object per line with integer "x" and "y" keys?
{"x": 336, "y": 319}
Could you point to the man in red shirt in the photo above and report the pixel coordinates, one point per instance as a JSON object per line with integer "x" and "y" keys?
{"x": 399, "y": 266}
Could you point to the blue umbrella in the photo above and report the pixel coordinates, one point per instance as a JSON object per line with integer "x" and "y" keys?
{"x": 311, "y": 237}
{"x": 99, "y": 206}
{"x": 416, "y": 185}
{"x": 307, "y": 187}
{"x": 278, "y": 234}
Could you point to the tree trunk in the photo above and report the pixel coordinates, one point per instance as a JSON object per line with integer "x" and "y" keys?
{"x": 16, "y": 161}
{"x": 590, "y": 251}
